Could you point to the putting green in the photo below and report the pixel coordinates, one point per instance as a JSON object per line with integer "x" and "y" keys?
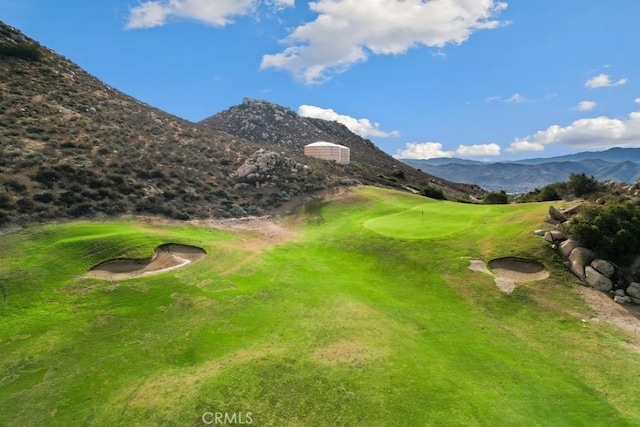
{"x": 428, "y": 221}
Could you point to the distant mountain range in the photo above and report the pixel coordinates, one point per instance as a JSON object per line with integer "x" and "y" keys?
{"x": 615, "y": 164}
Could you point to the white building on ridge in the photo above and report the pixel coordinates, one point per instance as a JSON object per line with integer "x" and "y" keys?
{"x": 328, "y": 151}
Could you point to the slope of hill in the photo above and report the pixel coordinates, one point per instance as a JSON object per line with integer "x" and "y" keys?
{"x": 282, "y": 129}
{"x": 71, "y": 146}
{"x": 523, "y": 176}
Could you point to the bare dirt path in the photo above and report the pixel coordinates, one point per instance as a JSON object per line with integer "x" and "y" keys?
{"x": 264, "y": 229}
{"x": 625, "y": 317}
{"x": 254, "y": 235}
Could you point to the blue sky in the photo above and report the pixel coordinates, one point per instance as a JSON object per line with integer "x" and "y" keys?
{"x": 477, "y": 79}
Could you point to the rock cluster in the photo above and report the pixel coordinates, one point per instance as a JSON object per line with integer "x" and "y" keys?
{"x": 583, "y": 262}
{"x": 268, "y": 167}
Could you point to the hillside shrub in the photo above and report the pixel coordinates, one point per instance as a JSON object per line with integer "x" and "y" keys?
{"x": 359, "y": 166}
{"x": 465, "y": 198}
{"x": 398, "y": 174}
{"x": 578, "y": 185}
{"x": 45, "y": 197}
{"x": 551, "y": 192}
{"x": 496, "y": 198}
{"x": 30, "y": 53}
{"x": 548, "y": 193}
{"x": 5, "y": 200}
{"x": 433, "y": 192}
{"x": 612, "y": 231}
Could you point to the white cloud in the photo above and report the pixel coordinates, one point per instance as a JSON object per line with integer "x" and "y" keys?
{"x": 422, "y": 150}
{"x": 516, "y": 98}
{"x": 213, "y": 12}
{"x": 637, "y": 100}
{"x": 478, "y": 150}
{"x": 362, "y": 127}
{"x": 430, "y": 150}
{"x": 525, "y": 145}
{"x": 585, "y": 106}
{"x": 148, "y": 15}
{"x": 347, "y": 31}
{"x": 599, "y": 133}
{"x": 603, "y": 80}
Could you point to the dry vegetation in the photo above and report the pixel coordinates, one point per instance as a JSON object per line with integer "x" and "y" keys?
{"x": 71, "y": 146}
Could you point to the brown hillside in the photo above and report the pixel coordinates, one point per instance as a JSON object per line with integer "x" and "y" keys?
{"x": 71, "y": 146}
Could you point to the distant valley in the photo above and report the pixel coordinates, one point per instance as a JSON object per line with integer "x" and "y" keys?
{"x": 615, "y": 164}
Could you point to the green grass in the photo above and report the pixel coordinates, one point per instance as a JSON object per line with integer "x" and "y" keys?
{"x": 369, "y": 317}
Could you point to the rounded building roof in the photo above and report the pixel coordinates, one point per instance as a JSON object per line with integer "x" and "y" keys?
{"x": 324, "y": 144}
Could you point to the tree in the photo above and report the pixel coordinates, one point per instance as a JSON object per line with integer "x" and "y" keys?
{"x": 496, "y": 198}
{"x": 581, "y": 185}
{"x": 548, "y": 193}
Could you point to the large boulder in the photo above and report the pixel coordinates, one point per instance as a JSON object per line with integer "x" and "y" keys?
{"x": 597, "y": 280}
{"x": 579, "y": 259}
{"x": 555, "y": 214}
{"x": 246, "y": 169}
{"x": 622, "y": 300}
{"x": 572, "y": 211}
{"x": 634, "y": 290}
{"x": 567, "y": 246}
{"x": 603, "y": 266}
{"x": 554, "y": 236}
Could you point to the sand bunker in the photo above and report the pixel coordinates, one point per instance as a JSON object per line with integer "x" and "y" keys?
{"x": 166, "y": 257}
{"x": 509, "y": 270}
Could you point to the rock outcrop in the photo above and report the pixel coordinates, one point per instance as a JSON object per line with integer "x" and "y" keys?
{"x": 579, "y": 259}
{"x": 265, "y": 166}
{"x": 597, "y": 280}
{"x": 597, "y": 273}
{"x": 633, "y": 290}
{"x": 568, "y": 246}
{"x": 604, "y": 267}
{"x": 556, "y": 215}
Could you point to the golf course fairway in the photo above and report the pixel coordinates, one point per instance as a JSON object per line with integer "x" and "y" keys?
{"x": 359, "y": 309}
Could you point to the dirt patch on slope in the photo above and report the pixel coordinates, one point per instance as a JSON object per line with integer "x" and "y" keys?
{"x": 267, "y": 231}
{"x": 625, "y": 317}
{"x": 165, "y": 258}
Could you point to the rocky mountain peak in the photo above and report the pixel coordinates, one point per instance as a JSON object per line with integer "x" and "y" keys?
{"x": 280, "y": 128}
